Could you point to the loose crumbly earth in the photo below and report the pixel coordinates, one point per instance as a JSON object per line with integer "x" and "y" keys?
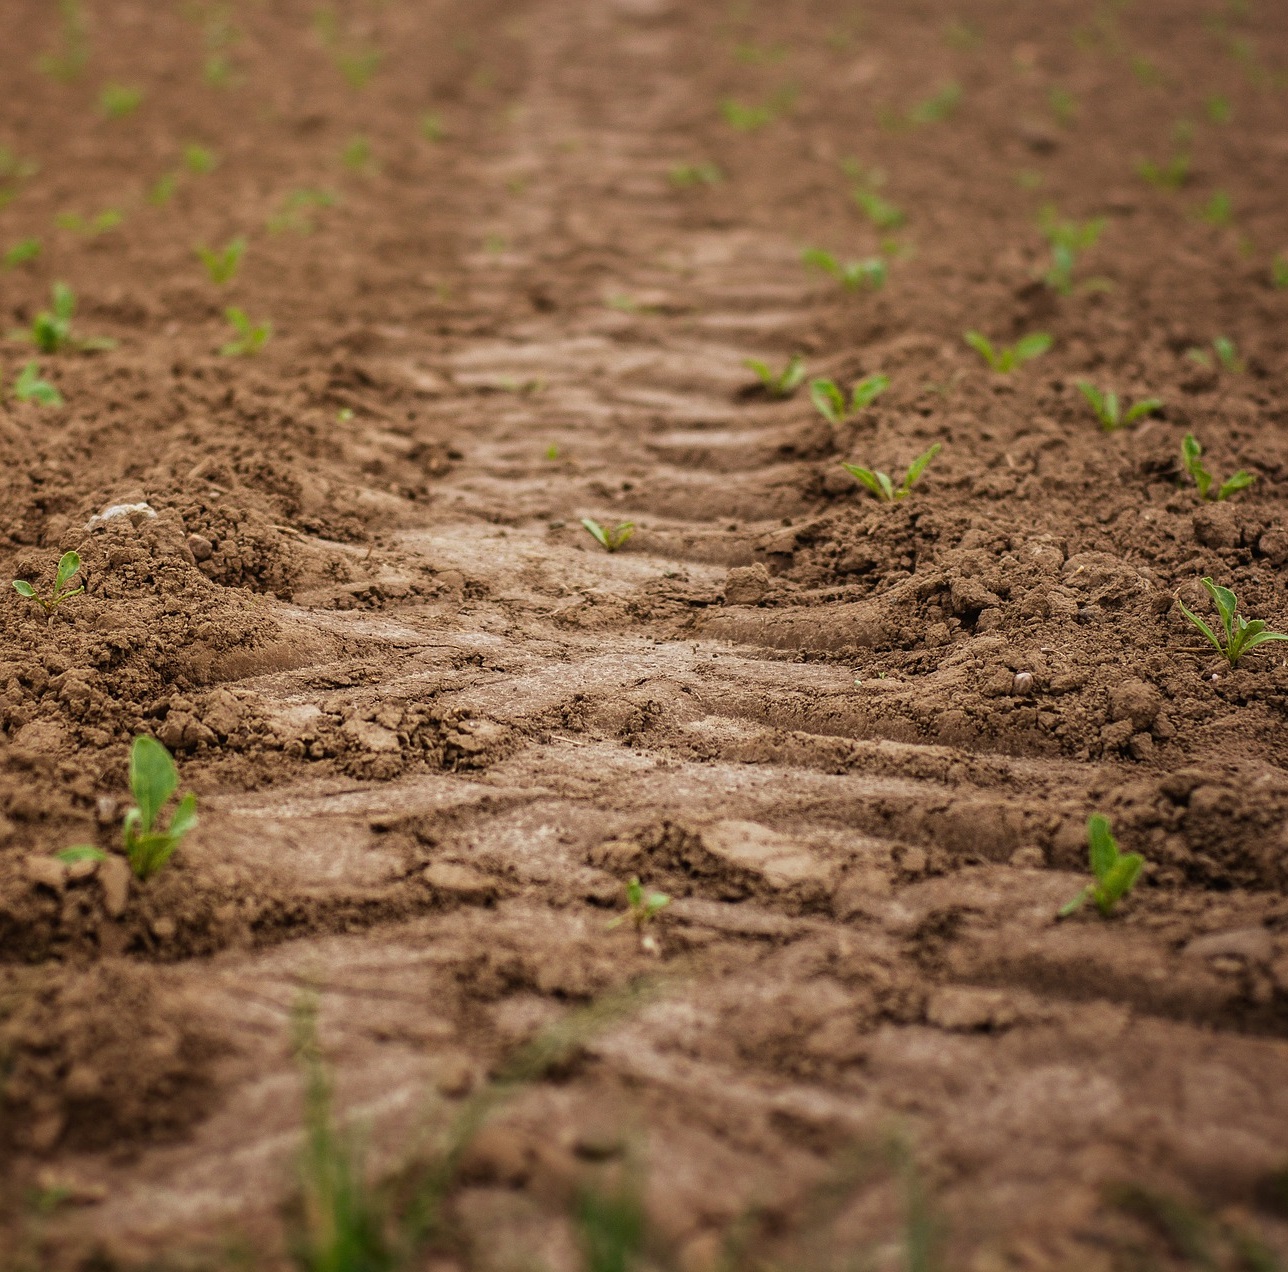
{"x": 434, "y": 728}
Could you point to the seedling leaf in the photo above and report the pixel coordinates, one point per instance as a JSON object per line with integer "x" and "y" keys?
{"x": 1115, "y": 872}
{"x": 610, "y": 538}
{"x": 1241, "y": 635}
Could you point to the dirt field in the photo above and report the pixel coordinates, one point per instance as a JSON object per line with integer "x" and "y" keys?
{"x": 515, "y": 254}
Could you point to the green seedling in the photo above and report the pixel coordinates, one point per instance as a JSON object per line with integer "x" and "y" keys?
{"x": 962, "y": 35}
{"x": 685, "y": 176}
{"x": 164, "y": 189}
{"x": 119, "y": 100}
{"x": 552, "y": 452}
{"x": 1218, "y": 109}
{"x": 432, "y": 127}
{"x": 1116, "y": 872}
{"x": 1064, "y": 106}
{"x": 69, "y": 565}
{"x": 67, "y": 63}
{"x": 222, "y": 263}
{"x": 356, "y": 61}
{"x": 153, "y": 780}
{"x": 1191, "y": 459}
{"x": 1109, "y": 410}
{"x": 90, "y": 227}
{"x": 880, "y": 484}
{"x": 294, "y": 213}
{"x": 1171, "y": 175}
{"x": 641, "y": 907}
{"x": 869, "y": 274}
{"x": 1146, "y": 72}
{"x": 356, "y": 155}
{"x": 29, "y": 387}
{"x": 1008, "y": 358}
{"x": 13, "y": 172}
{"x": 1068, "y": 240}
{"x": 1241, "y": 636}
{"x": 745, "y": 118}
{"x": 21, "y": 252}
{"x": 883, "y": 214}
{"x": 779, "y": 384}
{"x": 1279, "y": 272}
{"x": 1227, "y": 356}
{"x": 937, "y": 109}
{"x": 201, "y": 161}
{"x": 1218, "y": 210}
{"x": 251, "y": 337}
{"x": 609, "y": 537}
{"x": 80, "y": 852}
{"x": 219, "y": 35}
{"x": 829, "y": 399}
{"x": 51, "y": 330}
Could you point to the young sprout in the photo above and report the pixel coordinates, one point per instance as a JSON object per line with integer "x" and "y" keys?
{"x": 829, "y": 399}
{"x": 1227, "y": 355}
{"x": 1218, "y": 109}
{"x": 1007, "y": 359}
{"x": 1109, "y": 410}
{"x": 1218, "y": 210}
{"x": 936, "y": 109}
{"x": 51, "y": 331}
{"x": 432, "y": 127}
{"x": 68, "y": 565}
{"x": 13, "y": 172}
{"x": 251, "y": 337}
{"x": 21, "y": 252}
{"x": 881, "y": 485}
{"x": 356, "y": 62}
{"x": 745, "y": 118}
{"x": 1241, "y": 636}
{"x": 153, "y": 780}
{"x": 870, "y": 273}
{"x": 1171, "y": 175}
{"x": 164, "y": 189}
{"x": 1191, "y": 453}
{"x": 685, "y": 176}
{"x": 1279, "y": 272}
{"x": 73, "y": 53}
{"x": 90, "y": 227}
{"x": 1068, "y": 240}
{"x": 119, "y": 100}
{"x": 779, "y": 384}
{"x": 1064, "y": 106}
{"x": 609, "y": 537}
{"x": 356, "y": 155}
{"x": 642, "y": 907}
{"x": 29, "y": 387}
{"x": 883, "y": 214}
{"x": 294, "y": 212}
{"x": 221, "y": 263}
{"x": 199, "y": 160}
{"x": 1116, "y": 872}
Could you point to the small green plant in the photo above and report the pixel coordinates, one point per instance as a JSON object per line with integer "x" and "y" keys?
{"x": 432, "y": 127}
{"x": 1191, "y": 460}
{"x": 880, "y": 484}
{"x": 937, "y": 108}
{"x": 119, "y": 100}
{"x": 251, "y": 337}
{"x": 1109, "y": 410}
{"x": 1241, "y": 636}
{"x": 295, "y": 212}
{"x": 1115, "y": 872}
{"x": 1279, "y": 272}
{"x": 1218, "y": 109}
{"x": 69, "y": 565}
{"x": 1171, "y": 175}
{"x": 72, "y": 55}
{"x": 829, "y": 399}
{"x": 685, "y": 176}
{"x": 1227, "y": 356}
{"x": 609, "y": 537}
{"x": 222, "y": 263}
{"x": 883, "y": 214}
{"x": 869, "y": 274}
{"x": 641, "y": 907}
{"x": 779, "y": 384}
{"x": 356, "y": 155}
{"x": 1006, "y": 359}
{"x": 153, "y": 780}
{"x": 164, "y": 189}
{"x": 13, "y": 172}
{"x": 1068, "y": 240}
{"x": 21, "y": 252}
{"x": 355, "y": 60}
{"x": 201, "y": 161}
{"x": 1064, "y": 106}
{"x": 91, "y": 226}
{"x": 745, "y": 118}
{"x": 1218, "y": 210}
{"x": 51, "y": 330}
{"x": 29, "y": 387}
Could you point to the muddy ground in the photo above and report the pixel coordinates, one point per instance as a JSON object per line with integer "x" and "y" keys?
{"x": 515, "y": 254}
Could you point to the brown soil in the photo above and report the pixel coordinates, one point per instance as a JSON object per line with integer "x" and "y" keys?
{"x": 434, "y": 728}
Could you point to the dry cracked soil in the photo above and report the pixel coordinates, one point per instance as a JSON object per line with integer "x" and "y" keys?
{"x": 516, "y": 255}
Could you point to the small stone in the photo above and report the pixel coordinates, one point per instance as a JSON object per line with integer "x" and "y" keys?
{"x": 46, "y": 872}
{"x": 200, "y": 547}
{"x": 164, "y": 928}
{"x": 1135, "y": 701}
{"x": 1023, "y": 684}
{"x": 105, "y": 810}
{"x": 83, "y": 1082}
{"x": 137, "y": 513}
{"x": 747, "y": 585}
{"x": 114, "y": 879}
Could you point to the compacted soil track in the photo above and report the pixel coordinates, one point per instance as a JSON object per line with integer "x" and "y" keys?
{"x": 516, "y": 254}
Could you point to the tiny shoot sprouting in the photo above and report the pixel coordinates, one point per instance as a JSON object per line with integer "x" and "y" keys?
{"x": 1108, "y": 407}
{"x": 1241, "y": 635}
{"x": 118, "y": 100}
{"x": 1227, "y": 356}
{"x": 1006, "y": 358}
{"x": 610, "y": 538}
{"x": 251, "y": 336}
{"x": 23, "y": 251}
{"x": 779, "y": 384}
{"x": 29, "y": 386}
{"x": 1171, "y": 175}
{"x": 641, "y": 907}
{"x": 1208, "y": 487}
{"x": 69, "y": 565}
{"x": 51, "y": 330}
{"x": 1115, "y": 872}
{"x": 685, "y": 176}
{"x": 883, "y": 487}
{"x": 869, "y": 274}
{"x": 222, "y": 263}
{"x": 830, "y": 402}
{"x": 1068, "y": 240}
